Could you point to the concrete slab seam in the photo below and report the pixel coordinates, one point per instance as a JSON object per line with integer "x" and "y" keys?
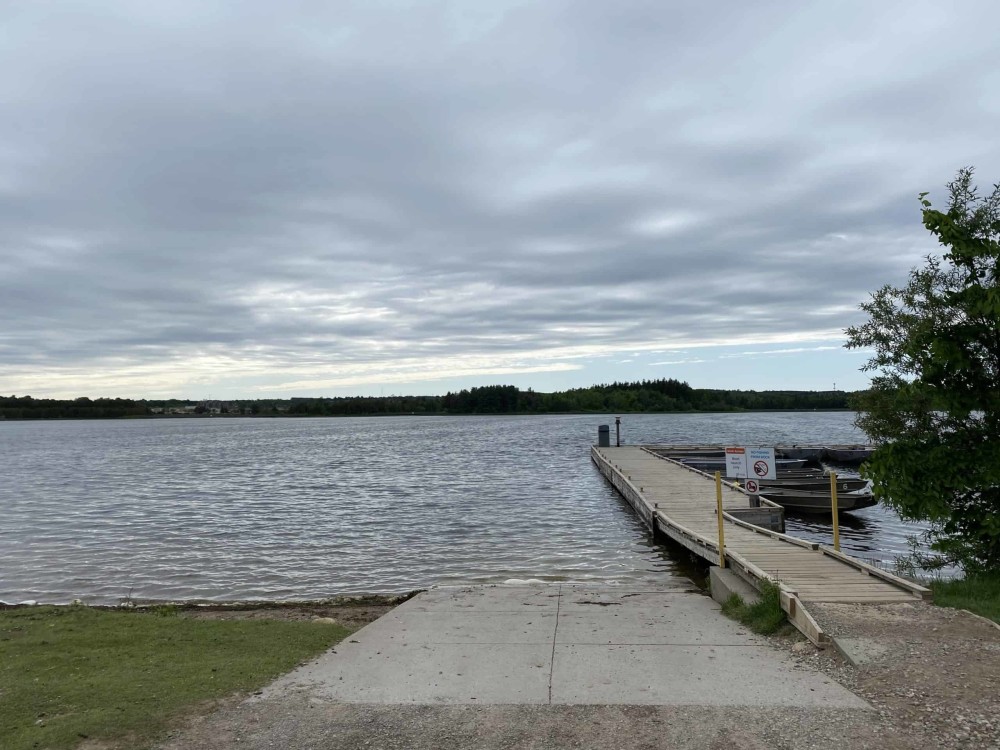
{"x": 555, "y": 635}
{"x": 682, "y": 644}
{"x": 693, "y": 644}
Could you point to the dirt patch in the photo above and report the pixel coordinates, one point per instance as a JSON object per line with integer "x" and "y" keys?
{"x": 350, "y": 611}
{"x": 936, "y": 678}
{"x": 298, "y": 722}
{"x": 350, "y": 616}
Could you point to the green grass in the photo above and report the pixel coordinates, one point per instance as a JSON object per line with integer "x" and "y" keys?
{"x": 764, "y": 617}
{"x": 70, "y": 673}
{"x": 979, "y": 594}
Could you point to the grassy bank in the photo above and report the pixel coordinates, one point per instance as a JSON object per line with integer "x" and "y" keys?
{"x": 764, "y": 617}
{"x": 74, "y": 673}
{"x": 979, "y": 594}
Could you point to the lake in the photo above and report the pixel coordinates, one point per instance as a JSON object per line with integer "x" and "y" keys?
{"x": 287, "y": 509}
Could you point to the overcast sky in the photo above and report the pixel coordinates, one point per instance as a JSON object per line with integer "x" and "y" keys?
{"x": 320, "y": 198}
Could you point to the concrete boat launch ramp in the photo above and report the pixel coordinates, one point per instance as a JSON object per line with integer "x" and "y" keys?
{"x": 564, "y": 645}
{"x": 560, "y": 645}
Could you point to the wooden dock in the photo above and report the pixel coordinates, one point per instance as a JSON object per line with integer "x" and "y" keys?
{"x": 679, "y": 502}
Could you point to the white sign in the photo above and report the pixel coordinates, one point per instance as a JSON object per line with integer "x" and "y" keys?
{"x": 752, "y": 487}
{"x": 760, "y": 463}
{"x": 736, "y": 462}
{"x": 757, "y": 463}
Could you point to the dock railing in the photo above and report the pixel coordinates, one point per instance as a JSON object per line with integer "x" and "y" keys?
{"x": 704, "y": 546}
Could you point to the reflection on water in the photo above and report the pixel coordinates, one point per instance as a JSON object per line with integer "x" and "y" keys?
{"x": 306, "y": 508}
{"x": 875, "y": 534}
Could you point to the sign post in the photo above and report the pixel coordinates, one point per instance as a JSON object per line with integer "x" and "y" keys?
{"x": 833, "y": 508}
{"x": 752, "y": 464}
{"x": 718, "y": 513}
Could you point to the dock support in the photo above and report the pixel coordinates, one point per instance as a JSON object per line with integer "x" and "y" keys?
{"x": 718, "y": 513}
{"x": 833, "y": 508}
{"x": 797, "y": 567}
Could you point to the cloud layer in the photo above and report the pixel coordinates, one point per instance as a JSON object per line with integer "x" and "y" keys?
{"x": 322, "y": 198}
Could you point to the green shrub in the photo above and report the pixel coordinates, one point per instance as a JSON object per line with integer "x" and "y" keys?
{"x": 764, "y": 617}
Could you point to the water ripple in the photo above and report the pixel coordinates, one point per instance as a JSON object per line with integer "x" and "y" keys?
{"x": 307, "y": 508}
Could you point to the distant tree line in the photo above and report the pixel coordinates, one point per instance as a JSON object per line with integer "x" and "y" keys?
{"x": 26, "y": 407}
{"x": 651, "y": 396}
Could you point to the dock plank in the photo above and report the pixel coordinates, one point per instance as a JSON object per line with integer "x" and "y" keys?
{"x": 681, "y": 502}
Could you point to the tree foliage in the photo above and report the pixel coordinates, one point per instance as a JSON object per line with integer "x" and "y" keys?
{"x": 27, "y": 407}
{"x": 934, "y": 404}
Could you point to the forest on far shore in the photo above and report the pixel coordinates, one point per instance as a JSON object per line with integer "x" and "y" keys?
{"x": 648, "y": 396}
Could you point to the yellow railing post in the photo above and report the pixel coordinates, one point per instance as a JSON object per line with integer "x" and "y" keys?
{"x": 718, "y": 512}
{"x": 833, "y": 509}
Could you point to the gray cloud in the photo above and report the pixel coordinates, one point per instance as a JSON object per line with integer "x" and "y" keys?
{"x": 340, "y": 195}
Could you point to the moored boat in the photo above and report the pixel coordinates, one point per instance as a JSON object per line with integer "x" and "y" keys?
{"x": 805, "y": 474}
{"x": 849, "y": 454}
{"x": 808, "y": 452}
{"x": 719, "y": 464}
{"x": 816, "y": 484}
{"x": 804, "y": 501}
{"x": 679, "y": 454}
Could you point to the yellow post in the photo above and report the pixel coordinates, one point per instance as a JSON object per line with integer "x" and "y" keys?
{"x": 833, "y": 508}
{"x": 718, "y": 512}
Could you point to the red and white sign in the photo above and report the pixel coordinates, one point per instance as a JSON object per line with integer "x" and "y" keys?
{"x": 761, "y": 461}
{"x": 752, "y": 487}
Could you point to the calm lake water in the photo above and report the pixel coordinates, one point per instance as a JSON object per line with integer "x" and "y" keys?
{"x": 310, "y": 508}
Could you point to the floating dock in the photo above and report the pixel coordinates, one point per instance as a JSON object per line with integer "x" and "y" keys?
{"x": 680, "y": 503}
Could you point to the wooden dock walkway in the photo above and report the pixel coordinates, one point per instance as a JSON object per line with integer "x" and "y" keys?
{"x": 680, "y": 502}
